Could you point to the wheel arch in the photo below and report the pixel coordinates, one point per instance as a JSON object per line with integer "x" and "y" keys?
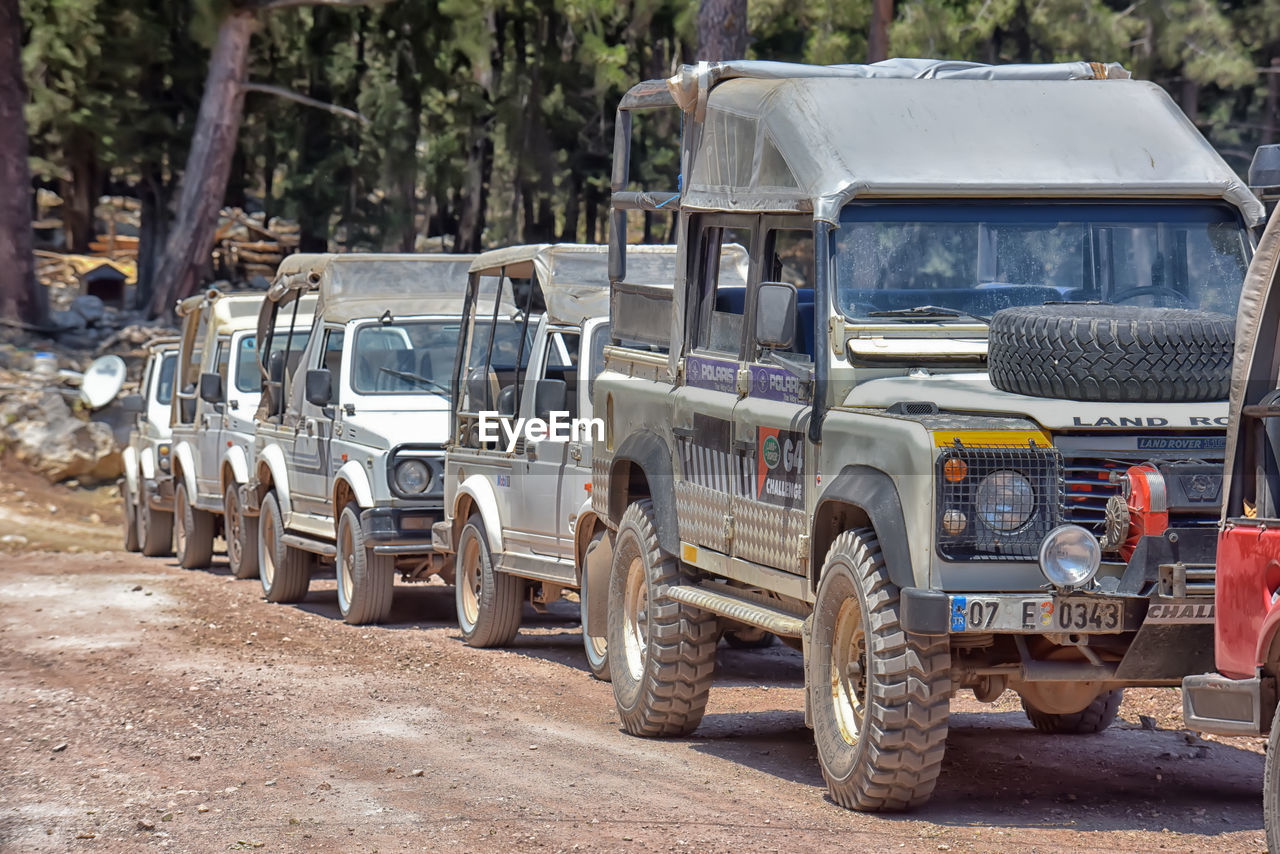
{"x": 641, "y": 468}
{"x": 184, "y": 468}
{"x": 132, "y": 467}
{"x": 351, "y": 484}
{"x": 476, "y": 495}
{"x": 235, "y": 468}
{"x": 862, "y": 497}
{"x": 270, "y": 473}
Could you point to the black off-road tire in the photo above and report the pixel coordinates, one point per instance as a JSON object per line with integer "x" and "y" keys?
{"x": 155, "y": 530}
{"x": 489, "y": 602}
{"x": 1090, "y": 720}
{"x": 366, "y": 581}
{"x": 596, "y": 649}
{"x": 193, "y": 532}
{"x": 1271, "y": 787}
{"x": 285, "y": 572}
{"x": 241, "y": 534}
{"x": 1114, "y": 353}
{"x": 889, "y": 757}
{"x": 662, "y": 652}
{"x": 130, "y": 506}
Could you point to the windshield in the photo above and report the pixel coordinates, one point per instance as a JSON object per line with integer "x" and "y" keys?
{"x": 248, "y": 376}
{"x": 980, "y": 258}
{"x": 416, "y": 356}
{"x": 164, "y": 382}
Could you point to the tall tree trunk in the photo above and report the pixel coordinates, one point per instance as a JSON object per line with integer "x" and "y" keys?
{"x": 722, "y": 30}
{"x": 80, "y": 192}
{"x": 153, "y": 191}
{"x": 475, "y": 198}
{"x": 20, "y": 297}
{"x": 204, "y": 181}
{"x": 878, "y": 36}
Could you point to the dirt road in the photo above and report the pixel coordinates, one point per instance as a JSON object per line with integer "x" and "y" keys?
{"x": 147, "y": 707}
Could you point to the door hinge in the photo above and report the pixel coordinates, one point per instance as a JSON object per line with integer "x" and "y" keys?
{"x": 728, "y": 532}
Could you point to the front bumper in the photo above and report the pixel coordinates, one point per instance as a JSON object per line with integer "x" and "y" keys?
{"x": 1216, "y": 704}
{"x": 158, "y": 493}
{"x": 399, "y": 530}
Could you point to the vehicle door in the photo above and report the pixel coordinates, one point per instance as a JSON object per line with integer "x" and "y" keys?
{"x": 711, "y": 467}
{"x": 311, "y": 465}
{"x": 550, "y": 396}
{"x": 577, "y": 471}
{"x": 210, "y": 416}
{"x": 771, "y": 421}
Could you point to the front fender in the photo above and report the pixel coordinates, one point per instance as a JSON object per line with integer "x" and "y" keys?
{"x": 873, "y": 492}
{"x": 358, "y": 479}
{"x": 235, "y": 458}
{"x": 478, "y": 488}
{"x": 184, "y": 457}
{"x": 147, "y": 462}
{"x": 648, "y": 452}
{"x": 272, "y": 458}
{"x": 131, "y": 466}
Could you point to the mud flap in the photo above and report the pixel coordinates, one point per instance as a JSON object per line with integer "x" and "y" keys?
{"x": 1163, "y": 651}
{"x": 599, "y": 563}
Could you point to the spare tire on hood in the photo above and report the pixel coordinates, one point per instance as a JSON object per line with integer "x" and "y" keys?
{"x": 1116, "y": 353}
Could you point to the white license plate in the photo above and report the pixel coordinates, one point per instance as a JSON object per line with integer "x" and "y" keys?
{"x": 1039, "y": 614}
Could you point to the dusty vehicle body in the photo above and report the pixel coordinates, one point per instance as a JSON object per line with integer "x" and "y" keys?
{"x": 145, "y": 489}
{"x": 1240, "y": 696}
{"x": 350, "y": 434}
{"x": 856, "y": 456}
{"x": 518, "y": 513}
{"x": 218, "y": 390}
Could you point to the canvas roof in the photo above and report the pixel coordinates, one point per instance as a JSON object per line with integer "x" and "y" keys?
{"x": 231, "y": 312}
{"x": 780, "y": 137}
{"x": 371, "y": 275}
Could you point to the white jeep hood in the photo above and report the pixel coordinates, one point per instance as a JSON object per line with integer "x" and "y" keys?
{"x": 973, "y": 392}
{"x": 387, "y": 429}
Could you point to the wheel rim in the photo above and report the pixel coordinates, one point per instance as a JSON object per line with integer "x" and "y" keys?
{"x": 635, "y": 619}
{"x": 180, "y": 535}
{"x": 469, "y": 584}
{"x": 346, "y": 581}
{"x": 849, "y": 672}
{"x": 268, "y": 552}
{"x": 231, "y": 519}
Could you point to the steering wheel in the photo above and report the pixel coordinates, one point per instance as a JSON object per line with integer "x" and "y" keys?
{"x": 1130, "y": 293}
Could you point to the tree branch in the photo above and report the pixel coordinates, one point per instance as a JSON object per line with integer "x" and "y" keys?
{"x": 272, "y": 5}
{"x": 289, "y": 94}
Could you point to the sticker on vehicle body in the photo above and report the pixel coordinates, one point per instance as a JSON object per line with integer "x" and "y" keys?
{"x": 779, "y": 467}
{"x": 1180, "y": 613}
{"x": 504, "y": 480}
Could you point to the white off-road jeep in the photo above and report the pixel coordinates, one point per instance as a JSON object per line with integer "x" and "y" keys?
{"x": 145, "y": 489}
{"x": 218, "y": 389}
{"x": 350, "y": 434}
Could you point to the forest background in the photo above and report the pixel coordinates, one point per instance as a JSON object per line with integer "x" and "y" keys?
{"x": 468, "y": 124}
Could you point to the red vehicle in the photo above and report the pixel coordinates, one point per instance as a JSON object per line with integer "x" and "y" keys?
{"x": 1241, "y": 697}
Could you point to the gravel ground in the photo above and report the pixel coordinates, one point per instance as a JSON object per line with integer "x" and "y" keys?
{"x": 143, "y": 706}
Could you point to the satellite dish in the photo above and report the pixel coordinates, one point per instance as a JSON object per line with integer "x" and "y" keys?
{"x": 102, "y": 381}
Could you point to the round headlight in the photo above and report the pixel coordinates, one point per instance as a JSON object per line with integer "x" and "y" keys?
{"x": 1069, "y": 556}
{"x": 412, "y": 476}
{"x": 1005, "y": 500}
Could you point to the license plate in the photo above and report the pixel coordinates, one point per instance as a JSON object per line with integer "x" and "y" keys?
{"x": 1040, "y": 614}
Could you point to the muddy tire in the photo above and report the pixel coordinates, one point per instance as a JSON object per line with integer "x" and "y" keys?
{"x": 1271, "y": 786}
{"x": 241, "y": 535}
{"x": 366, "y": 581}
{"x": 879, "y": 695}
{"x": 1113, "y": 353}
{"x": 1090, "y": 720}
{"x": 155, "y": 530}
{"x": 662, "y": 652}
{"x": 192, "y": 532}
{"x": 749, "y": 638}
{"x": 130, "y": 507}
{"x": 489, "y": 602}
{"x": 285, "y": 572}
{"x": 597, "y": 649}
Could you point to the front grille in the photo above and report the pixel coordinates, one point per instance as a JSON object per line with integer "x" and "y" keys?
{"x": 980, "y": 539}
{"x": 1088, "y": 486}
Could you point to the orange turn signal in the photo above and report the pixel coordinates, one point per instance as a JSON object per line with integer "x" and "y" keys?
{"x": 955, "y": 469}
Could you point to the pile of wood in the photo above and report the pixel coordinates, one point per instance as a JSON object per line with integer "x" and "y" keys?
{"x": 246, "y": 247}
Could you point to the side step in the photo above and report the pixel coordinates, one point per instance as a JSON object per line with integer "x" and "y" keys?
{"x": 309, "y": 545}
{"x": 741, "y": 605}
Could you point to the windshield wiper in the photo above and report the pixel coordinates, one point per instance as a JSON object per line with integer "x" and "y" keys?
{"x": 414, "y": 378}
{"x": 928, "y": 312}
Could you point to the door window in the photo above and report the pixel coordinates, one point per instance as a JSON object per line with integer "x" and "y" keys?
{"x": 722, "y": 290}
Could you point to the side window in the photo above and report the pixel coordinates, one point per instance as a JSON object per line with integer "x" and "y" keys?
{"x": 562, "y": 364}
{"x": 164, "y": 383}
{"x": 788, "y": 254}
{"x": 599, "y": 340}
{"x": 722, "y": 292}
{"x": 331, "y": 359}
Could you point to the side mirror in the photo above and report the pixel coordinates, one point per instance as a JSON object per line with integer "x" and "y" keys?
{"x": 776, "y": 315}
{"x": 549, "y": 396}
{"x": 134, "y": 403}
{"x": 319, "y": 387}
{"x": 211, "y": 388}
